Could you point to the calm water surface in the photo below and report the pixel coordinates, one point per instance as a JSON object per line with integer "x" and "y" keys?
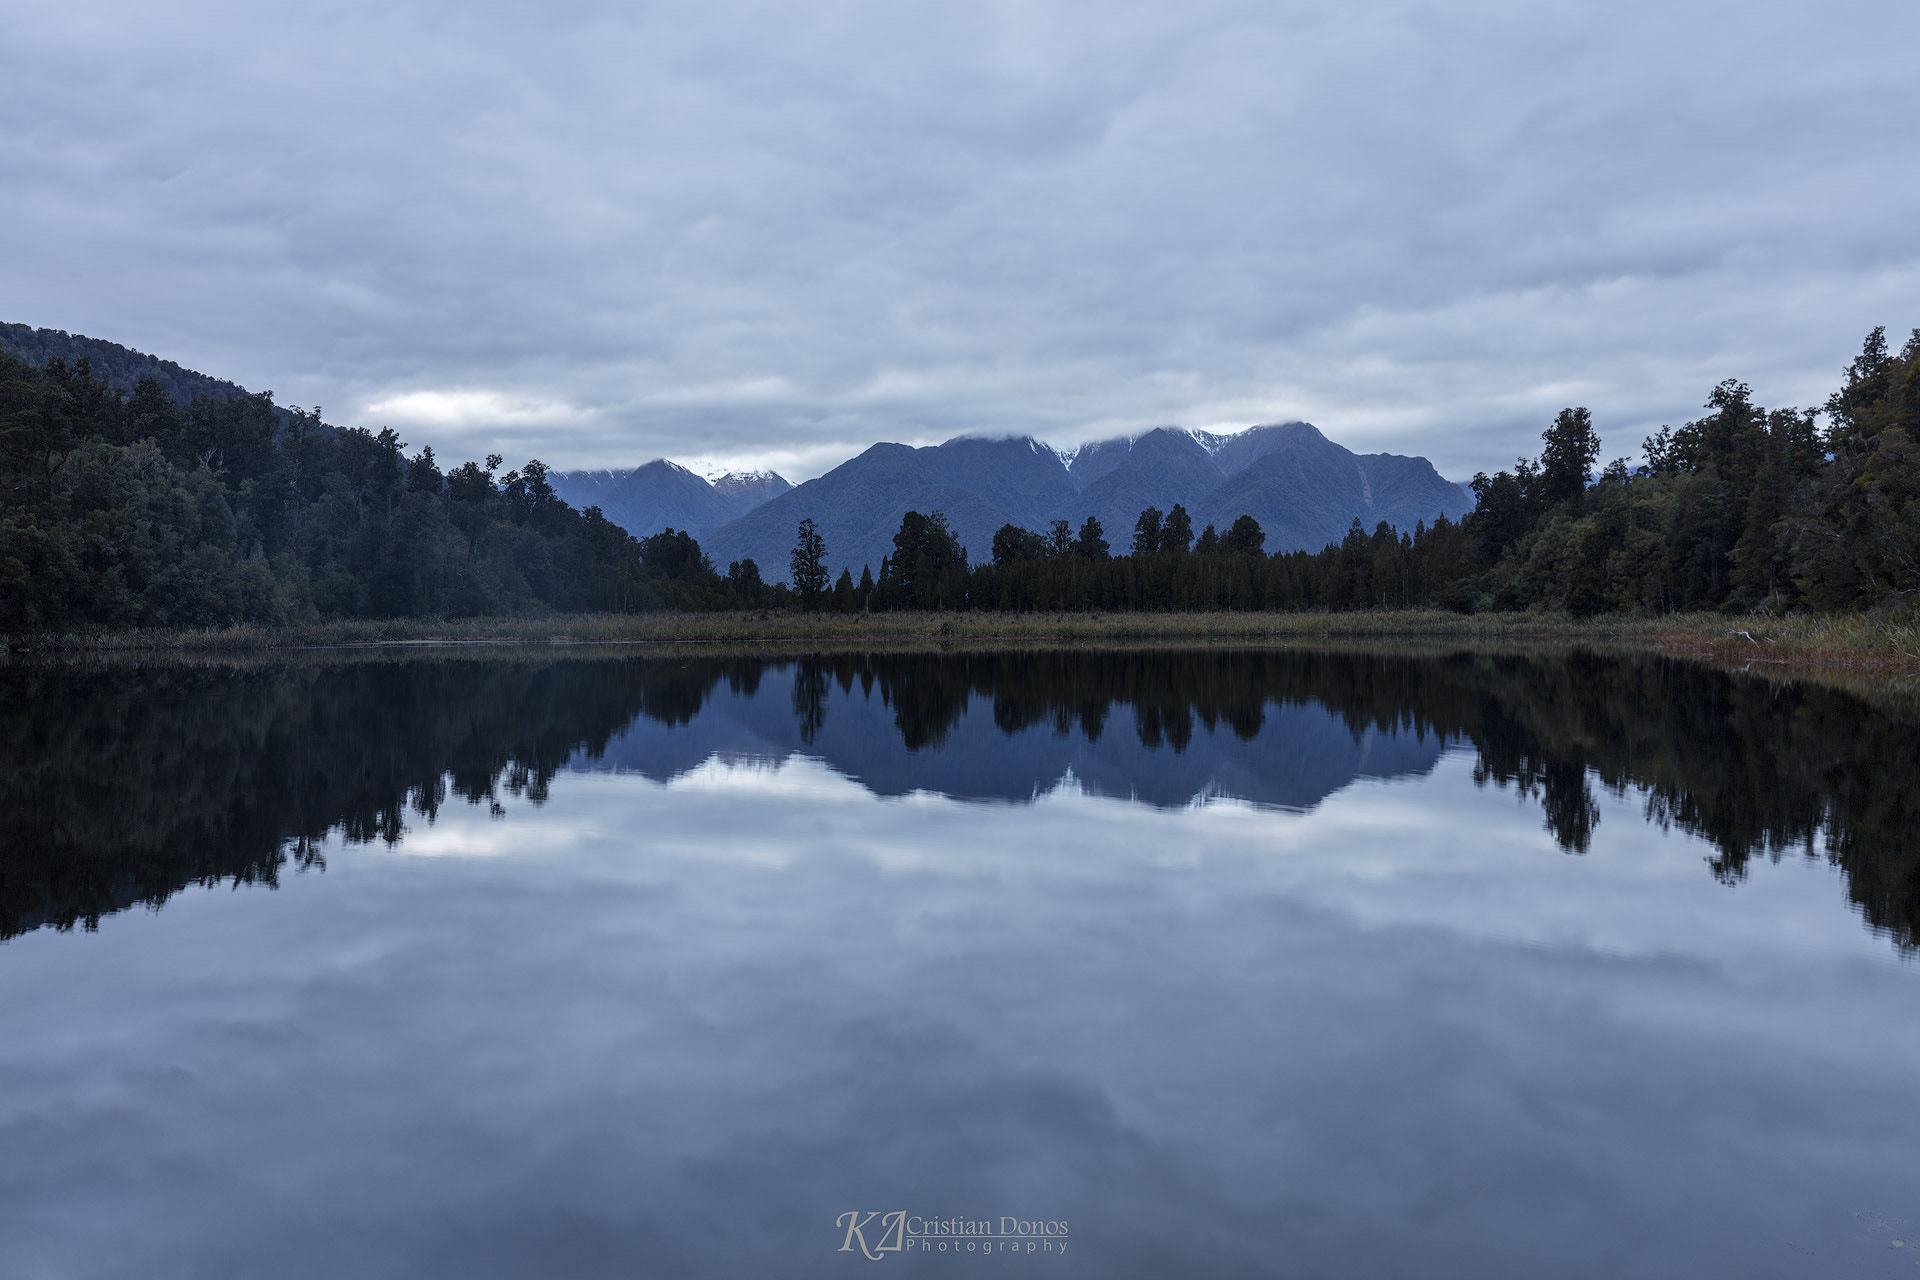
{"x": 1229, "y": 963}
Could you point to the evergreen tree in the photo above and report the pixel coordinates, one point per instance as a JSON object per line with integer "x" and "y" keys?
{"x": 1244, "y": 537}
{"x": 1146, "y": 532}
{"x": 928, "y": 565}
{"x": 423, "y": 476}
{"x": 744, "y": 584}
{"x": 1014, "y": 545}
{"x": 1176, "y": 532}
{"x": 1568, "y": 460}
{"x": 808, "y": 565}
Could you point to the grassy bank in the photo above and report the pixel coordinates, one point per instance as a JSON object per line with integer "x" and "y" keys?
{"x": 1890, "y": 641}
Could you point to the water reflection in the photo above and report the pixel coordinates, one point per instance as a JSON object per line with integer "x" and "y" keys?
{"x": 1165, "y": 730}
{"x": 1241, "y": 963}
{"x": 121, "y": 786}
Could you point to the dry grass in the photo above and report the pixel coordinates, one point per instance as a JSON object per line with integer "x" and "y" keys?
{"x": 1888, "y": 642}
{"x": 1875, "y": 657}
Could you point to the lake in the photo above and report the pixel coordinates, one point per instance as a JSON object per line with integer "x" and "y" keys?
{"x": 495, "y": 962}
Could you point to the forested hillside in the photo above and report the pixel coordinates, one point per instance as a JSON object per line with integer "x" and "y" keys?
{"x": 132, "y": 509}
{"x": 1744, "y": 508}
{"x": 122, "y": 367}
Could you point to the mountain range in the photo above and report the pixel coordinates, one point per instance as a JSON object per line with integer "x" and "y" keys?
{"x": 665, "y": 495}
{"x": 1304, "y": 489}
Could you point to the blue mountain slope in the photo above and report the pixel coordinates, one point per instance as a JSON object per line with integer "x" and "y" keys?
{"x": 1408, "y": 490}
{"x": 978, "y": 484}
{"x": 1096, "y": 458}
{"x": 1305, "y": 491}
{"x": 1161, "y": 468}
{"x": 647, "y": 499}
{"x": 664, "y": 495}
{"x": 1235, "y": 453}
{"x": 857, "y": 507}
{"x": 1303, "y": 488}
{"x": 744, "y": 490}
{"x": 1018, "y": 475}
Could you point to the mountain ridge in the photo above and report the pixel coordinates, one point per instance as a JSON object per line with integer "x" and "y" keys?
{"x": 1304, "y": 489}
{"x": 122, "y": 366}
{"x": 662, "y": 494}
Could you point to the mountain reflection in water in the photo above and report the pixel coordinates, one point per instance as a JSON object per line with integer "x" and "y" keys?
{"x": 123, "y": 785}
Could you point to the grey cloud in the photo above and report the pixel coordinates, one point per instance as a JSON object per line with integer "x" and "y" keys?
{"x": 750, "y": 231}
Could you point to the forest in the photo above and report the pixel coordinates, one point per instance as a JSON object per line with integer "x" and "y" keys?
{"x": 1744, "y": 509}
{"x": 133, "y": 509}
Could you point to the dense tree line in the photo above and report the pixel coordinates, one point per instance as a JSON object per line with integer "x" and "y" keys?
{"x": 1743, "y": 508}
{"x": 122, "y": 367}
{"x": 132, "y": 509}
{"x": 127, "y": 507}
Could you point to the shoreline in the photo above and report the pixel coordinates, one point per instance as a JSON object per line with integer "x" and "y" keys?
{"x": 1888, "y": 642}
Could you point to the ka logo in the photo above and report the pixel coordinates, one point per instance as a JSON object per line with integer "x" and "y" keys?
{"x": 889, "y": 1235}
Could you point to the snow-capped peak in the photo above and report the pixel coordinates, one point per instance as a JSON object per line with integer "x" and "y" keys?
{"x": 1208, "y": 440}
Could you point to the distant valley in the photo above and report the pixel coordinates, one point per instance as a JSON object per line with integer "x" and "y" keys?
{"x": 1304, "y": 489}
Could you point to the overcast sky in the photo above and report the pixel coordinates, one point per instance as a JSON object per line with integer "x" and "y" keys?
{"x": 739, "y": 234}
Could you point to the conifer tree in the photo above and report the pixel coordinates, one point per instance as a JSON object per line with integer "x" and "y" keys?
{"x": 1091, "y": 542}
{"x": 1176, "y": 531}
{"x": 808, "y": 565}
{"x": 1146, "y": 532}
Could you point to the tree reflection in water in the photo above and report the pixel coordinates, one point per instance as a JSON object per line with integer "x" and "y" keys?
{"x": 123, "y": 785}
